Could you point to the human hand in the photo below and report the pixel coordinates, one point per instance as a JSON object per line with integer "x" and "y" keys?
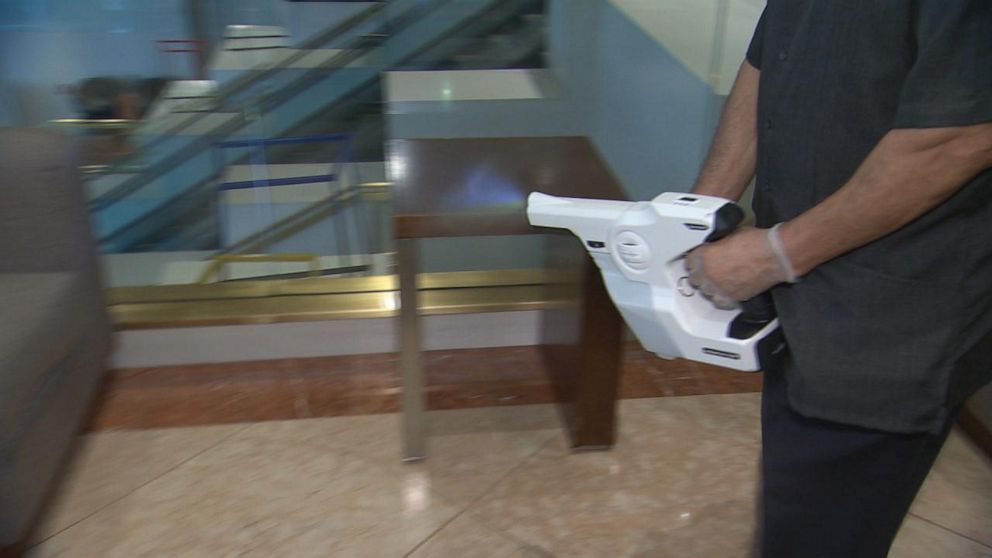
{"x": 736, "y": 268}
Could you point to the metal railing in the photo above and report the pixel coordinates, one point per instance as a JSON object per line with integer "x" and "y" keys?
{"x": 323, "y": 298}
{"x": 217, "y": 263}
{"x": 121, "y": 234}
{"x": 286, "y": 92}
{"x": 258, "y": 160}
{"x": 95, "y": 123}
{"x": 249, "y": 79}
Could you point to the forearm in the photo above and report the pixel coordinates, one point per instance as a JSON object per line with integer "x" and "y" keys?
{"x": 730, "y": 165}
{"x": 908, "y": 173}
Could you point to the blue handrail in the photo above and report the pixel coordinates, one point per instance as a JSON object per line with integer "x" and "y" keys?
{"x": 257, "y": 158}
{"x": 284, "y": 141}
{"x": 246, "y": 184}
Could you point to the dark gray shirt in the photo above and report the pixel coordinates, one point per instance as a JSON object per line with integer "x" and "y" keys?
{"x": 896, "y": 333}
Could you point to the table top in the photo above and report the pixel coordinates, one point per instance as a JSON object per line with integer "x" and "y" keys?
{"x": 479, "y": 186}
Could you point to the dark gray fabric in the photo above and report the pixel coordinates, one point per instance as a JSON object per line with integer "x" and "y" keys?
{"x": 54, "y": 331}
{"x": 889, "y": 336}
{"x": 831, "y": 490}
{"x": 40, "y": 323}
{"x": 30, "y": 472}
{"x": 44, "y": 225}
{"x": 44, "y": 222}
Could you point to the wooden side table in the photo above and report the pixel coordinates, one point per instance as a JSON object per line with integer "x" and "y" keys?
{"x": 479, "y": 187}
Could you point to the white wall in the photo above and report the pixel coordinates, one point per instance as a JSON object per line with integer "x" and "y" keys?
{"x": 708, "y": 37}
{"x": 45, "y": 44}
{"x": 157, "y": 347}
{"x": 303, "y": 19}
{"x": 648, "y": 77}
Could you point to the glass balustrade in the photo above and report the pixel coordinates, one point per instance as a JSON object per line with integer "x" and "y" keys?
{"x": 229, "y": 182}
{"x": 251, "y": 139}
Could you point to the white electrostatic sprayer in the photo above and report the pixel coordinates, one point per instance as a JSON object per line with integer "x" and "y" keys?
{"x": 640, "y": 247}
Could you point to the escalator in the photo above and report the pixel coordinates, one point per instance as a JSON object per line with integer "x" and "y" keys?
{"x": 162, "y": 196}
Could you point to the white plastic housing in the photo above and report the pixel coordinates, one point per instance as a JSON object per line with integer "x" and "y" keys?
{"x": 640, "y": 247}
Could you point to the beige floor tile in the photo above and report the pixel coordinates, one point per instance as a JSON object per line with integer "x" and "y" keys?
{"x": 724, "y": 529}
{"x": 109, "y": 465}
{"x": 958, "y": 492}
{"x": 467, "y": 538}
{"x": 920, "y": 539}
{"x": 262, "y": 497}
{"x": 378, "y": 436}
{"x": 658, "y": 445}
{"x": 734, "y": 417}
{"x": 320, "y": 487}
{"x": 498, "y": 482}
{"x": 469, "y": 450}
{"x": 669, "y": 472}
{"x": 620, "y": 523}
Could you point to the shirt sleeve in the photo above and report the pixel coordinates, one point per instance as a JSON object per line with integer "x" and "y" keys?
{"x": 756, "y": 47}
{"x": 950, "y": 82}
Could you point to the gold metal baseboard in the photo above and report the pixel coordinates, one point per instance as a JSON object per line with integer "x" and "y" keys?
{"x": 95, "y": 123}
{"x": 291, "y": 300}
{"x": 217, "y": 263}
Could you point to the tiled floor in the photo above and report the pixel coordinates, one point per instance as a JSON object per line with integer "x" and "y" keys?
{"x": 500, "y": 482}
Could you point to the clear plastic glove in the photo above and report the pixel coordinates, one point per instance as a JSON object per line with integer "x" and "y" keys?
{"x": 736, "y": 268}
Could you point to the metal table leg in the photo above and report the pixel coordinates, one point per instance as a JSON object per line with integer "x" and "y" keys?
{"x": 411, "y": 368}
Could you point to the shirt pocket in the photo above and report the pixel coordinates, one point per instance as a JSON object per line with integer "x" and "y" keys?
{"x": 871, "y": 342}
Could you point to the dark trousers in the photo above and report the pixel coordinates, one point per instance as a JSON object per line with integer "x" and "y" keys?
{"x": 831, "y": 490}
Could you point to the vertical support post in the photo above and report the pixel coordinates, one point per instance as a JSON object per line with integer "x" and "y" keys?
{"x": 582, "y": 346}
{"x": 411, "y": 367}
{"x": 199, "y": 28}
{"x": 352, "y": 205}
{"x": 600, "y": 347}
{"x": 220, "y": 223}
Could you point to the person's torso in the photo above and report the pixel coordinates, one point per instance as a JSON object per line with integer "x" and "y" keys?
{"x": 878, "y": 333}
{"x": 831, "y": 76}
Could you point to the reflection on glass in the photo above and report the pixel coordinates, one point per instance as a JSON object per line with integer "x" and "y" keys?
{"x": 159, "y": 94}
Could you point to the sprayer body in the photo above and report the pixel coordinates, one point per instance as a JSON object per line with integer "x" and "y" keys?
{"x": 639, "y": 248}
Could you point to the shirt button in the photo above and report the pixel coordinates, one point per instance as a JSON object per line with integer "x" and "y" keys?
{"x": 783, "y": 55}
{"x": 768, "y": 124}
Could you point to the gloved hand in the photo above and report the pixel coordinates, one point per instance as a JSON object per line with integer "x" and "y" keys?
{"x": 738, "y": 267}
